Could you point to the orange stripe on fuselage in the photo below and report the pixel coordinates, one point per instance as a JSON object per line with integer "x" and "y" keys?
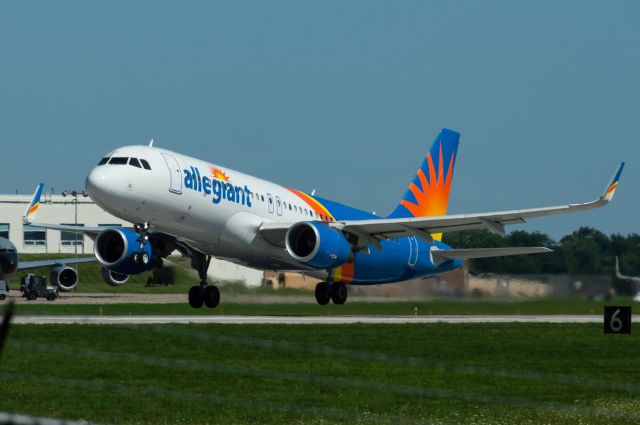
{"x": 346, "y": 272}
{"x": 313, "y": 204}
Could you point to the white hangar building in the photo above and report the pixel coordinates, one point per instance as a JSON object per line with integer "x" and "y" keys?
{"x": 81, "y": 210}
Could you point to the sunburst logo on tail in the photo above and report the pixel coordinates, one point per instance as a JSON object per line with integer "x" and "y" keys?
{"x": 219, "y": 174}
{"x": 433, "y": 195}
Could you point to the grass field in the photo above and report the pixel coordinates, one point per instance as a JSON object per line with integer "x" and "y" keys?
{"x": 419, "y": 307}
{"x": 470, "y": 374}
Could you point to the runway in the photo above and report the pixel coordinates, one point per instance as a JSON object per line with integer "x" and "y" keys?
{"x": 304, "y": 320}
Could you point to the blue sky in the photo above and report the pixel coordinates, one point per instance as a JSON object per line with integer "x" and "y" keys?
{"x": 343, "y": 97}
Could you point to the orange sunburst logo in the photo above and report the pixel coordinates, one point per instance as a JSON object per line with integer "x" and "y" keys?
{"x": 432, "y": 198}
{"x": 219, "y": 174}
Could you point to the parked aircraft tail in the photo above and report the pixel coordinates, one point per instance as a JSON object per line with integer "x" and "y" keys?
{"x": 32, "y": 209}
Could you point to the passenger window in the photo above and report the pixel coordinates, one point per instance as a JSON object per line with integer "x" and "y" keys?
{"x": 118, "y": 160}
{"x": 103, "y": 161}
{"x": 262, "y": 197}
{"x": 135, "y": 162}
{"x": 145, "y": 164}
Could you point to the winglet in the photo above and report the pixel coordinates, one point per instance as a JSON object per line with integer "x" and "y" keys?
{"x": 32, "y": 209}
{"x": 613, "y": 184}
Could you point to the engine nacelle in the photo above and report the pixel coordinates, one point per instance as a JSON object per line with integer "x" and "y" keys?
{"x": 317, "y": 245}
{"x": 114, "y": 278}
{"x": 64, "y": 277}
{"x": 118, "y": 250}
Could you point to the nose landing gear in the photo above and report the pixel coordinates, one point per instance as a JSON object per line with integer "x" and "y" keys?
{"x": 141, "y": 256}
{"x": 204, "y": 294}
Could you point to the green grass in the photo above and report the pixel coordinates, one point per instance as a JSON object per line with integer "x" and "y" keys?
{"x": 247, "y": 374}
{"x": 433, "y": 307}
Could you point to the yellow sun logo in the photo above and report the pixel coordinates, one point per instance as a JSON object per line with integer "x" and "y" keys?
{"x": 219, "y": 174}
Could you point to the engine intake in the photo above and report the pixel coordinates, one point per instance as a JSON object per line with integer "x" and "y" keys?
{"x": 317, "y": 245}
{"x": 64, "y": 277}
{"x": 113, "y": 278}
{"x": 118, "y": 250}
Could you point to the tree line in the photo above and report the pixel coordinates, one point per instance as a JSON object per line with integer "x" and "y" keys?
{"x": 585, "y": 251}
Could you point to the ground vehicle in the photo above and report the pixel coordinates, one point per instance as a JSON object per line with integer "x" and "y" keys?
{"x": 34, "y": 286}
{"x": 4, "y": 290}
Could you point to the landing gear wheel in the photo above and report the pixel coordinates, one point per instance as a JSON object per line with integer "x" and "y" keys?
{"x": 145, "y": 258}
{"x": 339, "y": 293}
{"x": 323, "y": 295}
{"x": 196, "y": 296}
{"x": 211, "y": 296}
{"x": 136, "y": 258}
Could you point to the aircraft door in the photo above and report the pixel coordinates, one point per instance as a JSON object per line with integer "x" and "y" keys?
{"x": 270, "y": 202}
{"x": 278, "y": 205}
{"x": 175, "y": 185}
{"x": 413, "y": 251}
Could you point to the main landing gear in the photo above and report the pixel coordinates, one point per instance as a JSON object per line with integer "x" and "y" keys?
{"x": 331, "y": 291}
{"x": 206, "y": 294}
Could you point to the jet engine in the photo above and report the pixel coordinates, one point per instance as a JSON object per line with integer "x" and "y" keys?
{"x": 64, "y": 277}
{"x": 317, "y": 245}
{"x": 118, "y": 250}
{"x": 113, "y": 278}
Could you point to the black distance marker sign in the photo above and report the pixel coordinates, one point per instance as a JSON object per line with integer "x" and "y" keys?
{"x": 617, "y": 320}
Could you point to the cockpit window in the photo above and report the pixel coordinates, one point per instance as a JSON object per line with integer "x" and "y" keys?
{"x": 145, "y": 164}
{"x": 118, "y": 160}
{"x": 135, "y": 162}
{"x": 103, "y": 161}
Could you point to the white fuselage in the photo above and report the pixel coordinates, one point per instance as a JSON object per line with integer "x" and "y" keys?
{"x": 214, "y": 209}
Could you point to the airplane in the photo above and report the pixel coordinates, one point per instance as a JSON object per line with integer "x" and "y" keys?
{"x": 61, "y": 275}
{"x": 205, "y": 210}
{"x": 634, "y": 279}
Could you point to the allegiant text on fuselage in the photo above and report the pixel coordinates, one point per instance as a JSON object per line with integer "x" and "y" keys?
{"x": 219, "y": 189}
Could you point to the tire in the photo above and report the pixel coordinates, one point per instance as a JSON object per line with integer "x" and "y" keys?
{"x": 145, "y": 258}
{"x": 2, "y": 297}
{"x": 322, "y": 293}
{"x": 32, "y": 295}
{"x": 211, "y": 296}
{"x": 196, "y": 297}
{"x": 339, "y": 293}
{"x": 51, "y": 297}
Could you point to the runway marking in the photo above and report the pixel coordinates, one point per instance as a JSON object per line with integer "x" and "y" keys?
{"x": 304, "y": 320}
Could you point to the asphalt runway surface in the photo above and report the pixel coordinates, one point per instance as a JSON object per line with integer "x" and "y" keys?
{"x": 305, "y": 320}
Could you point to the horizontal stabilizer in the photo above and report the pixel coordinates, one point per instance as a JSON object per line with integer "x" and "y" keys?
{"x": 466, "y": 254}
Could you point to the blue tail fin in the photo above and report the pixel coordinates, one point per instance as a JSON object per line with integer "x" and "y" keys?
{"x": 428, "y": 193}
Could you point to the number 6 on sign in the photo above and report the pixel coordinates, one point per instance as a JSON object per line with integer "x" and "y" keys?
{"x": 617, "y": 320}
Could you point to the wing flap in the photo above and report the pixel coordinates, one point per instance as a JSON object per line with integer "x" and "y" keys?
{"x": 467, "y": 254}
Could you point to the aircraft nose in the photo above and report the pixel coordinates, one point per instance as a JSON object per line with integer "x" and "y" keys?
{"x": 8, "y": 262}
{"x": 96, "y": 183}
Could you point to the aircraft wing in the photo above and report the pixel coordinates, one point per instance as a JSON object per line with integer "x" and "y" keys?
{"x": 23, "y": 265}
{"x": 376, "y": 230}
{"x": 467, "y": 254}
{"x": 91, "y": 232}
